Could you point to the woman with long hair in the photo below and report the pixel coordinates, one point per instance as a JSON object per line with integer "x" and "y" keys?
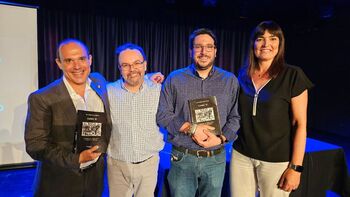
{"x": 268, "y": 154}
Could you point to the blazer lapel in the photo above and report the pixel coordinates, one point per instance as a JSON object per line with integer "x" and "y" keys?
{"x": 67, "y": 104}
{"x": 99, "y": 91}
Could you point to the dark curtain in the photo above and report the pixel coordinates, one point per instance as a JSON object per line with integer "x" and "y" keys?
{"x": 165, "y": 41}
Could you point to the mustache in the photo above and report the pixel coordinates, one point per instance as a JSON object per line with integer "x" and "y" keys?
{"x": 134, "y": 72}
{"x": 203, "y": 56}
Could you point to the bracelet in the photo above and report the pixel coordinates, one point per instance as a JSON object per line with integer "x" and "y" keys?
{"x": 192, "y": 129}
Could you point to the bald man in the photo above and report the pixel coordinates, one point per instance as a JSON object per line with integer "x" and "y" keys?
{"x": 51, "y": 123}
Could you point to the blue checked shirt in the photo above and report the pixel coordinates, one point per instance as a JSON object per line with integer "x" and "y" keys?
{"x": 135, "y": 135}
{"x": 185, "y": 84}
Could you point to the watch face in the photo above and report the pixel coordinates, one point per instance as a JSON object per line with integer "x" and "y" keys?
{"x": 300, "y": 168}
{"x": 297, "y": 168}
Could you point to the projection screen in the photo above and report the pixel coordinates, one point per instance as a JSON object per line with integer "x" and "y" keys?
{"x": 18, "y": 78}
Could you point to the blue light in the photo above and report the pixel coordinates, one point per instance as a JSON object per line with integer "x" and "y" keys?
{"x": 209, "y": 3}
{"x": 326, "y": 12}
{"x": 2, "y": 108}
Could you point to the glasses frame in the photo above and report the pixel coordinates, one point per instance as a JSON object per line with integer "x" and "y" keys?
{"x": 136, "y": 65}
{"x": 207, "y": 48}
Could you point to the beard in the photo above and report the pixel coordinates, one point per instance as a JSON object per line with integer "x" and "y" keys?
{"x": 204, "y": 66}
{"x": 133, "y": 80}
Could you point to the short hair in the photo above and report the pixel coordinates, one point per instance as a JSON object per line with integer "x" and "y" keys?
{"x": 201, "y": 31}
{"x": 130, "y": 46}
{"x": 277, "y": 64}
{"x": 67, "y": 41}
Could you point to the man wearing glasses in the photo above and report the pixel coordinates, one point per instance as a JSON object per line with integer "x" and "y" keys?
{"x": 133, "y": 153}
{"x": 198, "y": 157}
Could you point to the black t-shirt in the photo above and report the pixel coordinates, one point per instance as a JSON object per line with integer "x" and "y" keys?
{"x": 268, "y": 135}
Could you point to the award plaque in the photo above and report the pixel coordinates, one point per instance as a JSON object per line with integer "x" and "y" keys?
{"x": 90, "y": 131}
{"x": 205, "y": 111}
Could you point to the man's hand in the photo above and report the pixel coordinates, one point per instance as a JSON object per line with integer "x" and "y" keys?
{"x": 200, "y": 135}
{"x": 157, "y": 77}
{"x": 211, "y": 141}
{"x": 88, "y": 155}
{"x": 185, "y": 127}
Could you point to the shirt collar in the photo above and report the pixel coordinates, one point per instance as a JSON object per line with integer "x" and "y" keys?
{"x": 194, "y": 70}
{"x": 70, "y": 89}
{"x": 142, "y": 87}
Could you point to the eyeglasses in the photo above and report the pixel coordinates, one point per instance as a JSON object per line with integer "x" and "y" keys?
{"x": 82, "y": 59}
{"x": 137, "y": 64}
{"x": 208, "y": 48}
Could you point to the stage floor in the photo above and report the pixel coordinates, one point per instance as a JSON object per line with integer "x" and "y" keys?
{"x": 18, "y": 182}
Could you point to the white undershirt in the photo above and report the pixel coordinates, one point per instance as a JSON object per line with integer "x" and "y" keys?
{"x": 90, "y": 102}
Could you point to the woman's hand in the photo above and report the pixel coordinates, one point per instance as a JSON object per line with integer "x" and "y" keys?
{"x": 289, "y": 180}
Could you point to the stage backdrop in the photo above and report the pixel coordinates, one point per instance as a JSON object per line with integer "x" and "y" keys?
{"x": 18, "y": 77}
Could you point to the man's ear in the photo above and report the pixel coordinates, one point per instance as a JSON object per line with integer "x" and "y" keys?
{"x": 90, "y": 59}
{"x": 59, "y": 63}
{"x": 145, "y": 64}
{"x": 190, "y": 53}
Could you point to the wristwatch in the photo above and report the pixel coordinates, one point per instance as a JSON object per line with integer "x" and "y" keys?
{"x": 296, "y": 167}
{"x": 192, "y": 129}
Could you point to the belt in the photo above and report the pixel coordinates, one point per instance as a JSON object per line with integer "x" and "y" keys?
{"x": 199, "y": 153}
{"x": 141, "y": 161}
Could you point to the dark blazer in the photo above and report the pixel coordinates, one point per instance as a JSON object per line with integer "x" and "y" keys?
{"x": 49, "y": 136}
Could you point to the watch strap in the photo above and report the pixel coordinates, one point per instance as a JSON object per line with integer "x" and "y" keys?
{"x": 192, "y": 129}
{"x": 297, "y": 168}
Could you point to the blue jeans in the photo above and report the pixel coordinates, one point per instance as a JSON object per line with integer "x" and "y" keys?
{"x": 190, "y": 174}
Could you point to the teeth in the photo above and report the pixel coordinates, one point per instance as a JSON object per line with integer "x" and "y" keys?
{"x": 80, "y": 72}
{"x": 133, "y": 75}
